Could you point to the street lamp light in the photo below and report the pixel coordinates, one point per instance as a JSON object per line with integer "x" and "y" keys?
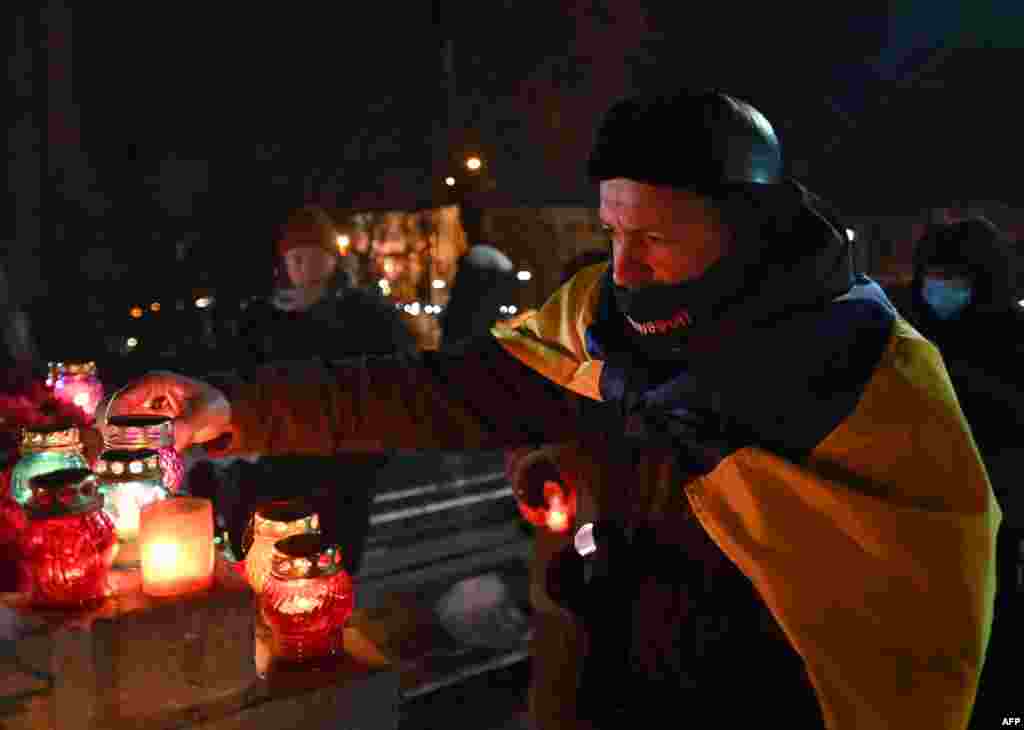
{"x": 473, "y": 163}
{"x": 449, "y": 181}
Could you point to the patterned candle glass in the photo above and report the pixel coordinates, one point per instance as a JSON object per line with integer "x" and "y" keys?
{"x": 77, "y": 383}
{"x": 176, "y": 542}
{"x": 131, "y": 433}
{"x": 129, "y": 480}
{"x": 68, "y": 545}
{"x": 271, "y": 522}
{"x": 45, "y": 449}
{"x": 307, "y": 599}
{"x": 12, "y": 521}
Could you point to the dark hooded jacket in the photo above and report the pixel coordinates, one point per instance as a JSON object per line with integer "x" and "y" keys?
{"x": 984, "y": 347}
{"x": 983, "y": 350}
{"x": 484, "y": 281}
{"x": 346, "y": 322}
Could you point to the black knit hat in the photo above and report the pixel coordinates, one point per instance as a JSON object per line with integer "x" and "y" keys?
{"x": 688, "y": 139}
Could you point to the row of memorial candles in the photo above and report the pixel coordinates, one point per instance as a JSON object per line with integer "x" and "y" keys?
{"x": 68, "y": 545}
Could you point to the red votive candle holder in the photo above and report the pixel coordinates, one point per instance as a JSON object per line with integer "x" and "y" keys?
{"x": 552, "y": 506}
{"x": 271, "y": 522}
{"x": 68, "y": 544}
{"x": 13, "y": 522}
{"x": 307, "y": 599}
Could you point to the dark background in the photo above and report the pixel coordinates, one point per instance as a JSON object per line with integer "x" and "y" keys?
{"x": 152, "y": 147}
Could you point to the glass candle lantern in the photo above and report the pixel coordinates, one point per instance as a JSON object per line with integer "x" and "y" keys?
{"x": 77, "y": 383}
{"x": 271, "y": 522}
{"x": 12, "y": 521}
{"x": 176, "y": 546}
{"x": 132, "y": 433}
{"x": 543, "y": 498}
{"x": 45, "y": 449}
{"x": 128, "y": 481}
{"x": 68, "y": 544}
{"x": 307, "y": 599}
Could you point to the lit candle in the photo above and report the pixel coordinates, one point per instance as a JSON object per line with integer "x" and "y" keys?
{"x": 132, "y": 433}
{"x": 553, "y": 506}
{"x": 77, "y": 383}
{"x": 129, "y": 480}
{"x": 271, "y": 522}
{"x": 307, "y": 598}
{"x": 176, "y": 541}
{"x": 68, "y": 545}
{"x": 558, "y": 513}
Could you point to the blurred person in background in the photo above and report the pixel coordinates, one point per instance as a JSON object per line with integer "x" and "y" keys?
{"x": 313, "y": 316}
{"x": 485, "y": 280}
{"x": 19, "y": 345}
{"x": 316, "y": 312}
{"x": 963, "y": 298}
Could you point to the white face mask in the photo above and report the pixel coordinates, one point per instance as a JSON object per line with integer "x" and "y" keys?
{"x": 948, "y": 298}
{"x": 298, "y": 299}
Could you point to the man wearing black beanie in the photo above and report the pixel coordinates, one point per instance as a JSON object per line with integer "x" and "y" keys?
{"x": 780, "y": 503}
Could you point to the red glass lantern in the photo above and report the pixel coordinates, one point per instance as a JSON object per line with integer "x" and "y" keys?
{"x": 13, "y": 522}
{"x": 274, "y": 521}
{"x": 69, "y": 544}
{"x": 543, "y": 498}
{"x": 307, "y": 599}
{"x": 129, "y": 433}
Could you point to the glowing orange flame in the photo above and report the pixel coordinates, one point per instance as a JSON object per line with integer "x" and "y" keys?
{"x": 557, "y": 518}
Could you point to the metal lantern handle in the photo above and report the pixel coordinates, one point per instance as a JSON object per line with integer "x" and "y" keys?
{"x": 110, "y": 404}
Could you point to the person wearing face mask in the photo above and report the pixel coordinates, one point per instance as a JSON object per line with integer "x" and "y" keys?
{"x": 963, "y": 299}
{"x": 790, "y": 510}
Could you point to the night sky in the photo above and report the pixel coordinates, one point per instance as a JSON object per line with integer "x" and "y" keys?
{"x": 199, "y": 125}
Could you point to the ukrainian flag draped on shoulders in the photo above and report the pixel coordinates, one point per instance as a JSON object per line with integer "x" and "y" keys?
{"x": 831, "y": 463}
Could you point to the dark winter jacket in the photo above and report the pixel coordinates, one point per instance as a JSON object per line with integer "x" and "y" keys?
{"x": 983, "y": 348}
{"x": 484, "y": 281}
{"x": 347, "y": 322}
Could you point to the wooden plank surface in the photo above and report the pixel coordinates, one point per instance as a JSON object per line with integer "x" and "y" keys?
{"x": 200, "y": 662}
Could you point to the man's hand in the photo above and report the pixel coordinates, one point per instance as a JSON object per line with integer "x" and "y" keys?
{"x": 201, "y": 413}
